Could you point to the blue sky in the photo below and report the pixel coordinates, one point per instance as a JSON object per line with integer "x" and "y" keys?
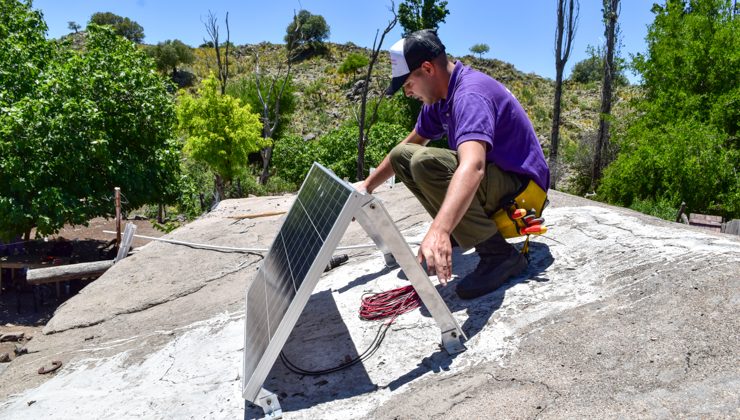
{"x": 519, "y": 32}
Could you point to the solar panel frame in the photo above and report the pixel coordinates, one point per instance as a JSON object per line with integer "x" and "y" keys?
{"x": 321, "y": 218}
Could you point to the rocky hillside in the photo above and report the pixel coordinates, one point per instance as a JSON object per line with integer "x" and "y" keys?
{"x": 327, "y": 99}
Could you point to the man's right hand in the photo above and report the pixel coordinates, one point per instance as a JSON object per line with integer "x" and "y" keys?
{"x": 361, "y": 187}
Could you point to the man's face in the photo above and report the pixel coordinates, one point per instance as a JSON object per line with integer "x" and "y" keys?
{"x": 418, "y": 86}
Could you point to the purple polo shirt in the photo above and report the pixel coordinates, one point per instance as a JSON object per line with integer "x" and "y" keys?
{"x": 481, "y": 108}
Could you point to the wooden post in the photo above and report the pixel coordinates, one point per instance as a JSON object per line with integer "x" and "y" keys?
{"x": 118, "y": 216}
{"x": 681, "y": 211}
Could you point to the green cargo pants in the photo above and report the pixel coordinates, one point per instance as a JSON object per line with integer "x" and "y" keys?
{"x": 427, "y": 172}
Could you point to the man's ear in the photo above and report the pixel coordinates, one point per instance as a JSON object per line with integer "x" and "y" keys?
{"x": 427, "y": 67}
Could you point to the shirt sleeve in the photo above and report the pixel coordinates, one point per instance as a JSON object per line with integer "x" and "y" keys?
{"x": 474, "y": 119}
{"x": 428, "y": 124}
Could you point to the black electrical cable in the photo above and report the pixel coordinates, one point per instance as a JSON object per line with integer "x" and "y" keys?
{"x": 392, "y": 304}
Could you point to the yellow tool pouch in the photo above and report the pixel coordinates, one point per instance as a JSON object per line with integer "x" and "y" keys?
{"x": 530, "y": 197}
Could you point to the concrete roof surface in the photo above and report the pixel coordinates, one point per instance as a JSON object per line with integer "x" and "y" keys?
{"x": 618, "y": 315}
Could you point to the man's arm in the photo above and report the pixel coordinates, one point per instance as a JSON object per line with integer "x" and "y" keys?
{"x": 385, "y": 170}
{"x": 436, "y": 248}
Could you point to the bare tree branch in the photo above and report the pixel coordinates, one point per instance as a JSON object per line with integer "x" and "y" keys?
{"x": 563, "y": 49}
{"x": 362, "y": 140}
{"x": 222, "y": 64}
{"x": 611, "y": 11}
{"x": 270, "y": 124}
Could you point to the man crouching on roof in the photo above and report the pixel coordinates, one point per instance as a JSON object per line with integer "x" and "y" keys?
{"x": 494, "y": 151}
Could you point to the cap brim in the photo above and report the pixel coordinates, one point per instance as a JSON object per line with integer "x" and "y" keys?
{"x": 396, "y": 83}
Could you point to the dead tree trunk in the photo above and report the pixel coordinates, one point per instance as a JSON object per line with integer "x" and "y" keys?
{"x": 219, "y": 184}
{"x": 222, "y": 63}
{"x": 364, "y": 126}
{"x": 564, "y": 35}
{"x": 611, "y": 13}
{"x": 270, "y": 123}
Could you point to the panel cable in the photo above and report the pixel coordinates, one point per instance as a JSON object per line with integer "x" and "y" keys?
{"x": 374, "y": 307}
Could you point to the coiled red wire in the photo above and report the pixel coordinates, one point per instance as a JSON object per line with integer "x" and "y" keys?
{"x": 389, "y": 304}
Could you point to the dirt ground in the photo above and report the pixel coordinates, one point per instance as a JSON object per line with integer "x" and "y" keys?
{"x": 27, "y": 309}
{"x": 96, "y": 227}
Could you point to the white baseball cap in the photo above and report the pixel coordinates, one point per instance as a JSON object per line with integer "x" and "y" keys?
{"x": 409, "y": 53}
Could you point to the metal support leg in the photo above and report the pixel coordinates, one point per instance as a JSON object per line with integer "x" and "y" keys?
{"x": 390, "y": 260}
{"x": 270, "y": 404}
{"x": 378, "y": 224}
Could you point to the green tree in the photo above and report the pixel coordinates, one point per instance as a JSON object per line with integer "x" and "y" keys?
{"x": 123, "y": 26}
{"x": 415, "y": 15}
{"x": 95, "y": 119}
{"x": 220, "y": 131}
{"x": 352, "y": 63}
{"x": 480, "y": 49}
{"x": 591, "y": 69}
{"x": 683, "y": 144}
{"x": 306, "y": 31}
{"x": 170, "y": 54}
{"x": 24, "y": 52}
{"x": 245, "y": 89}
{"x": 73, "y": 26}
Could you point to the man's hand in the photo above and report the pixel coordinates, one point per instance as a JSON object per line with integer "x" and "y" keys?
{"x": 436, "y": 250}
{"x": 361, "y": 187}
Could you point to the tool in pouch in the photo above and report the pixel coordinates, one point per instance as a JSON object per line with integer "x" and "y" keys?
{"x": 520, "y": 214}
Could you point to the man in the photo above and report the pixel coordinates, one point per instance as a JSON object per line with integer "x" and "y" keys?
{"x": 494, "y": 152}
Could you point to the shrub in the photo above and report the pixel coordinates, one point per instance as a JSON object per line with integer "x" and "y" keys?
{"x": 681, "y": 161}
{"x": 352, "y": 63}
{"x": 336, "y": 150}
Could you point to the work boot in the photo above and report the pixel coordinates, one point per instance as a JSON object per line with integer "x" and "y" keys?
{"x": 499, "y": 261}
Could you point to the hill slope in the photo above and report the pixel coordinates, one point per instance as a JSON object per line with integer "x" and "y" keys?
{"x": 326, "y": 99}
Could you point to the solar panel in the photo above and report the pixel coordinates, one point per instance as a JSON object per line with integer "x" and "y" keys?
{"x": 293, "y": 265}
{"x": 323, "y": 209}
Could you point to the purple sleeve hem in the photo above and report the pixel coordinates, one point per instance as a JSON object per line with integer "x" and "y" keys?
{"x": 475, "y": 136}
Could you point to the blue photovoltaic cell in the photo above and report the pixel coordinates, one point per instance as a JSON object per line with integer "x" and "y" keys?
{"x": 284, "y": 270}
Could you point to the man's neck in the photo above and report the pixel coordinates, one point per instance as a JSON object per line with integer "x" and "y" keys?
{"x": 446, "y": 75}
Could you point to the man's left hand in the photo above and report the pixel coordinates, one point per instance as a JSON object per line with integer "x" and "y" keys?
{"x": 436, "y": 250}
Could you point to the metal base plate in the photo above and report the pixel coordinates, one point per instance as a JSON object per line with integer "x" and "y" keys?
{"x": 270, "y": 404}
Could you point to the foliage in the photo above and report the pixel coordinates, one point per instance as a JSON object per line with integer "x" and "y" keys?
{"x": 415, "y": 15}
{"x": 659, "y": 208}
{"x": 170, "y": 54}
{"x": 480, "y": 49}
{"x": 671, "y": 163}
{"x": 306, "y": 30}
{"x": 123, "y": 26}
{"x": 250, "y": 185}
{"x": 591, "y": 69}
{"x": 395, "y": 110}
{"x": 220, "y": 131}
{"x": 24, "y": 51}
{"x": 245, "y": 90}
{"x": 684, "y": 146}
{"x": 336, "y": 150}
{"x": 314, "y": 93}
{"x": 352, "y": 63}
{"x": 93, "y": 120}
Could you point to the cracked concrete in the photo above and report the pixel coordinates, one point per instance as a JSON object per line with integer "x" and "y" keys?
{"x": 619, "y": 315}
